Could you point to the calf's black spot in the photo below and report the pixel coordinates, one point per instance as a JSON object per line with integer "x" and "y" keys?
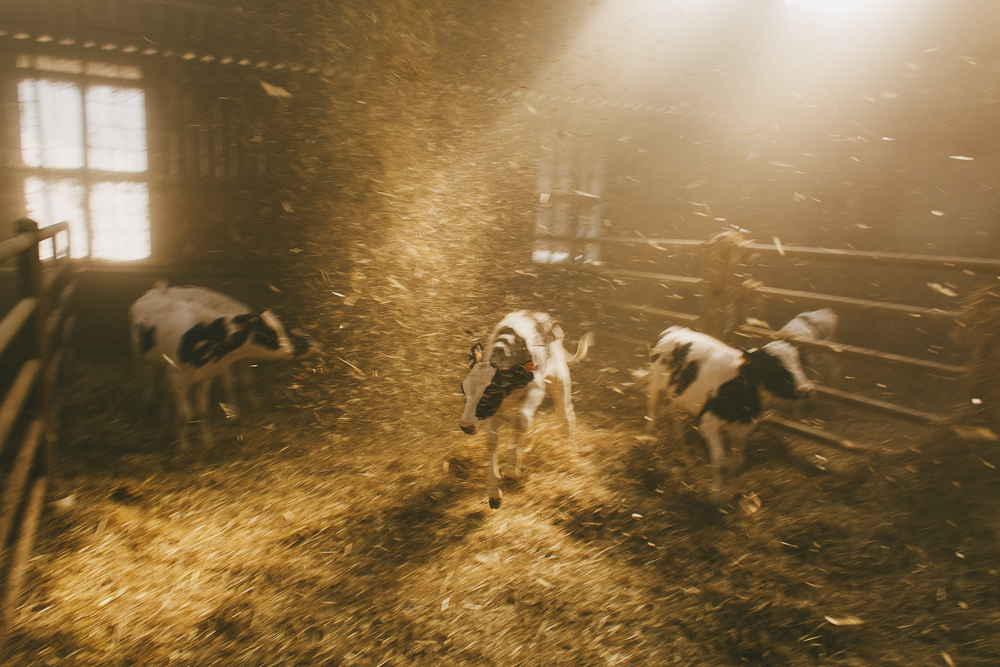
{"x": 683, "y": 379}
{"x": 147, "y": 338}
{"x": 737, "y": 400}
{"x": 252, "y": 327}
{"x": 678, "y": 356}
{"x": 504, "y": 382}
{"x": 771, "y": 374}
{"x": 202, "y": 343}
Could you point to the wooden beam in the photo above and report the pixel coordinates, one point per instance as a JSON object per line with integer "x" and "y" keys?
{"x": 16, "y": 396}
{"x": 15, "y": 319}
{"x": 652, "y": 277}
{"x": 658, "y": 244}
{"x": 17, "y": 244}
{"x": 625, "y": 339}
{"x": 908, "y": 414}
{"x": 17, "y": 478}
{"x": 947, "y": 262}
{"x": 932, "y": 367}
{"x": 798, "y": 296}
{"x": 983, "y": 264}
{"x": 20, "y": 555}
{"x": 816, "y": 434}
{"x": 686, "y": 318}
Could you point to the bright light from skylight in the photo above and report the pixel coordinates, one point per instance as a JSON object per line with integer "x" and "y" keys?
{"x": 837, "y": 7}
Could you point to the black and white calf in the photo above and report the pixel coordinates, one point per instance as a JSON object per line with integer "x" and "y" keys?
{"x": 523, "y": 354}
{"x": 722, "y": 388}
{"x": 818, "y": 325}
{"x": 238, "y": 373}
{"x": 192, "y": 344}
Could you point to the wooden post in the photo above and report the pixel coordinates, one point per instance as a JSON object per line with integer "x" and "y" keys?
{"x": 29, "y": 271}
{"x": 980, "y": 322}
{"x": 722, "y": 261}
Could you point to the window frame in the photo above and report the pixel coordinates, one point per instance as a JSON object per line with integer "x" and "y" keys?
{"x": 87, "y": 176}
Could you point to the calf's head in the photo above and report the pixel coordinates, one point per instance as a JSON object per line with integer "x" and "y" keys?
{"x": 485, "y": 387}
{"x": 303, "y": 343}
{"x": 778, "y": 369}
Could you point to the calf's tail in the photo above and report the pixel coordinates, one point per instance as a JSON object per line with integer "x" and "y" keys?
{"x": 582, "y": 347}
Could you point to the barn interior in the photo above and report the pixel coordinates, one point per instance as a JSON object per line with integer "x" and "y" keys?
{"x": 392, "y": 177}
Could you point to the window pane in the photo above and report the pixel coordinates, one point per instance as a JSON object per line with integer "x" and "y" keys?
{"x": 120, "y": 220}
{"x": 51, "y": 124}
{"x": 116, "y": 128}
{"x": 56, "y": 200}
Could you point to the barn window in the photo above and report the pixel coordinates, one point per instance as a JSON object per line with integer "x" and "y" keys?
{"x": 571, "y": 205}
{"x": 83, "y": 140}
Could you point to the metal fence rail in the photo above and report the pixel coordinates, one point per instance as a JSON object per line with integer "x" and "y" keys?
{"x": 34, "y": 336}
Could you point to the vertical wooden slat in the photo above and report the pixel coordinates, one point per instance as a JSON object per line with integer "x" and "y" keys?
{"x": 31, "y": 283}
{"x": 14, "y": 482}
{"x": 218, "y": 139}
{"x": 187, "y": 123}
{"x": 19, "y": 557}
{"x": 204, "y": 154}
{"x": 16, "y": 398}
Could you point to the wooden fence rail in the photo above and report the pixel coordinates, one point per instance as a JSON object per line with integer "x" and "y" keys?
{"x": 34, "y": 337}
{"x": 726, "y": 295}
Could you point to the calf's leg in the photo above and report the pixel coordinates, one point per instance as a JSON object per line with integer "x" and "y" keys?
{"x": 182, "y": 407}
{"x": 562, "y": 397}
{"x": 710, "y": 427}
{"x": 492, "y": 476}
{"x": 737, "y": 454}
{"x": 653, "y": 397}
{"x": 201, "y": 411}
{"x": 229, "y": 384}
{"x": 533, "y": 396}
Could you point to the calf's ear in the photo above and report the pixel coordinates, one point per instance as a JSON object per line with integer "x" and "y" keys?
{"x": 476, "y": 353}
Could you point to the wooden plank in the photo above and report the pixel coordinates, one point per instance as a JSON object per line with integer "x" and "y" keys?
{"x": 816, "y": 434}
{"x": 625, "y": 339}
{"x": 659, "y": 244}
{"x": 983, "y": 264}
{"x": 18, "y": 244}
{"x": 49, "y": 231}
{"x": 13, "y": 490}
{"x": 652, "y": 277}
{"x": 883, "y": 307}
{"x": 908, "y": 414}
{"x": 686, "y": 318}
{"x": 933, "y": 367}
{"x": 53, "y": 275}
{"x": 14, "y": 321}
{"x": 14, "y": 246}
{"x": 16, "y": 397}
{"x": 61, "y": 308}
{"x": 20, "y": 555}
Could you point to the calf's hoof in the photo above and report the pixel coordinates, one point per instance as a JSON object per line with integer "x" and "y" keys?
{"x": 494, "y": 503}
